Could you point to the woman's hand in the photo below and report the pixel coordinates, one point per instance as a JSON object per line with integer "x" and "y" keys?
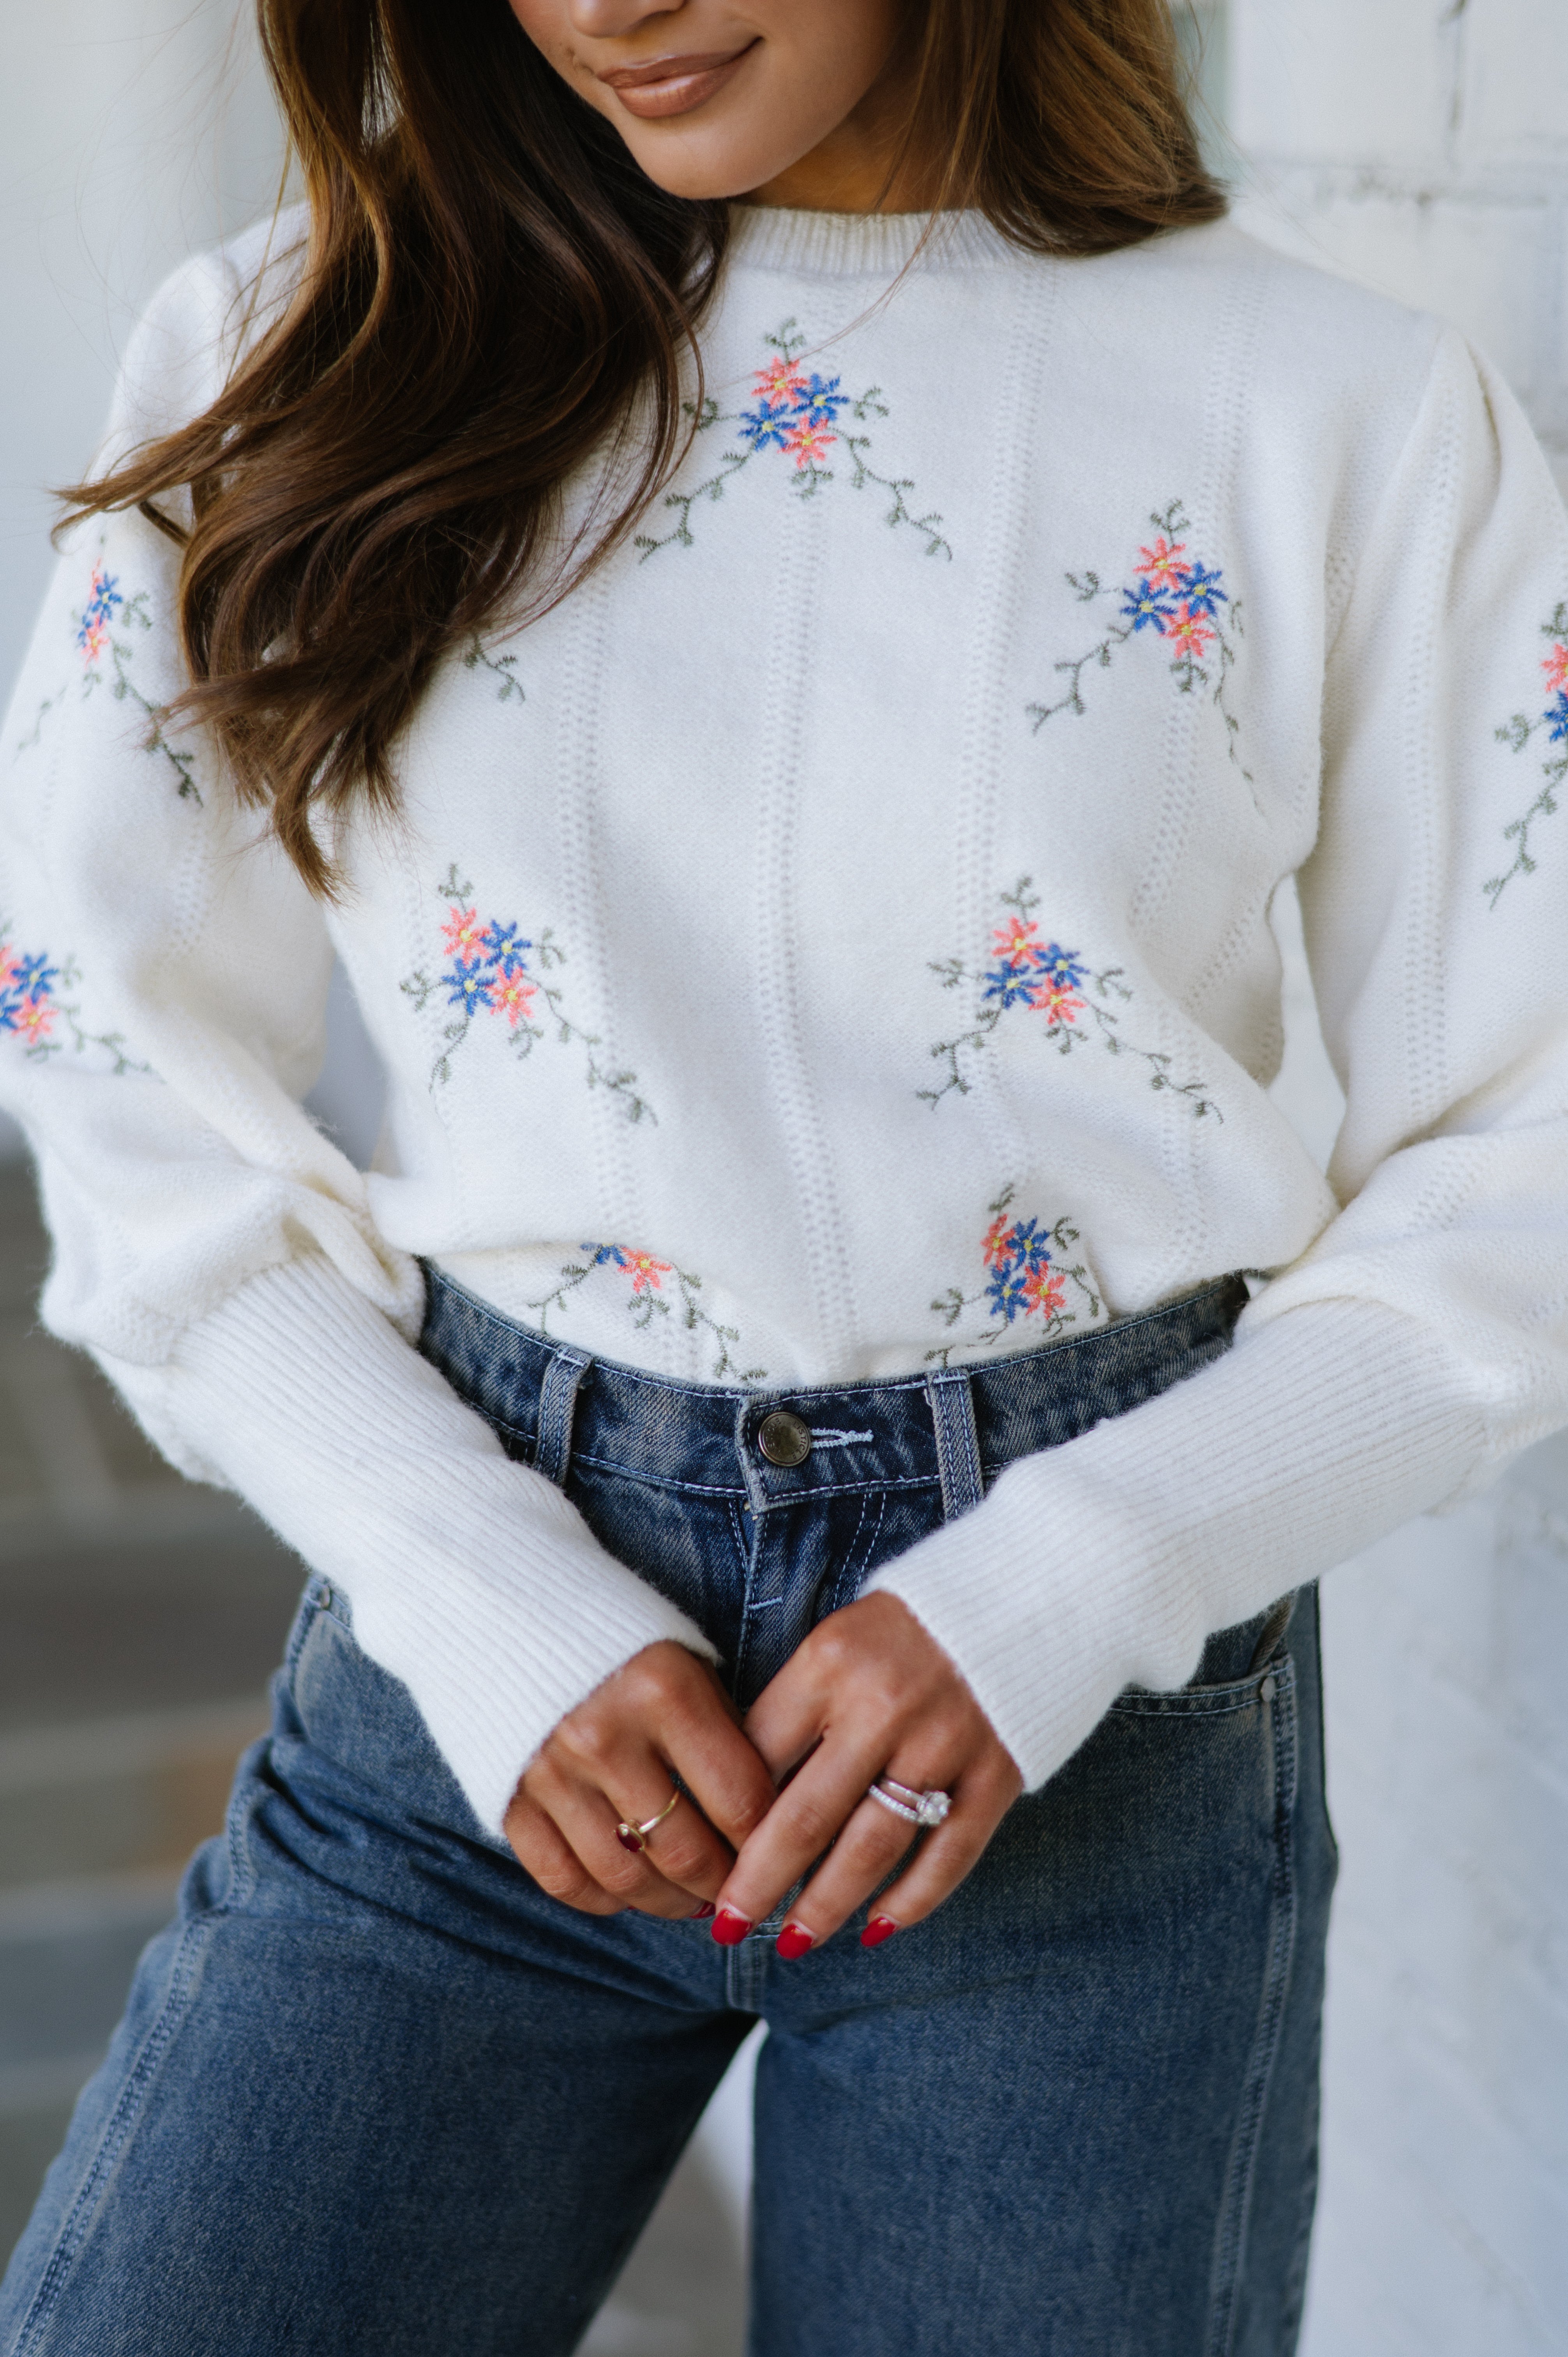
{"x": 867, "y": 1695}
{"x": 664, "y": 1713}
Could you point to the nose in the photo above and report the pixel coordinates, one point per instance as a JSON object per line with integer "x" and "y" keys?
{"x": 609, "y": 20}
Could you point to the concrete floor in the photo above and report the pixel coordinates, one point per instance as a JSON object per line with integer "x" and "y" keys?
{"x": 141, "y": 1618}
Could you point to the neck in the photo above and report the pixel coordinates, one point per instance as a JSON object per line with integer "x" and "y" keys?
{"x": 864, "y": 166}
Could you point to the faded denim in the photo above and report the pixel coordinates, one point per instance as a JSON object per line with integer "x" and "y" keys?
{"x": 374, "y": 2092}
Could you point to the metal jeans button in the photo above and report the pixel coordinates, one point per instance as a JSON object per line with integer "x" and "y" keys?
{"x": 783, "y": 1438}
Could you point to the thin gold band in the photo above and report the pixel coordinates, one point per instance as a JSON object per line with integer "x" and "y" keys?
{"x": 636, "y": 1836}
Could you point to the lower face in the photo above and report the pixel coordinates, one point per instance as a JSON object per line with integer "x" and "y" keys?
{"x": 715, "y": 99}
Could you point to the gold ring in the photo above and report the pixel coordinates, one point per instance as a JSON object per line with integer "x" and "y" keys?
{"x": 632, "y": 1836}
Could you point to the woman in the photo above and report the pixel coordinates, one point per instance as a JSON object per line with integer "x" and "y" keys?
{"x": 793, "y": 716}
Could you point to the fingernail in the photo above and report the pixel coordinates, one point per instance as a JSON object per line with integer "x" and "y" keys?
{"x": 880, "y": 1927}
{"x": 730, "y": 1929}
{"x": 700, "y": 1914}
{"x": 794, "y": 1939}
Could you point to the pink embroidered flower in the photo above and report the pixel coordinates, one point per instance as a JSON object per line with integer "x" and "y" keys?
{"x": 1056, "y": 1003}
{"x": 1161, "y": 565}
{"x": 998, "y": 1245}
{"x": 780, "y": 381}
{"x": 1016, "y": 939}
{"x": 809, "y": 442}
{"x": 1191, "y": 634}
{"x": 1044, "y": 1293}
{"x": 9, "y": 963}
{"x": 645, "y": 1271}
{"x": 513, "y": 998}
{"x": 35, "y": 1018}
{"x": 463, "y": 934}
{"x": 1555, "y": 666}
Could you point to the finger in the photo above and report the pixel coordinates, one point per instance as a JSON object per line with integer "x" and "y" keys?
{"x": 542, "y": 1851}
{"x": 702, "y": 1743}
{"x": 981, "y": 1800}
{"x": 586, "y": 1817}
{"x": 681, "y": 1715}
{"x": 860, "y": 1861}
{"x": 809, "y": 1813}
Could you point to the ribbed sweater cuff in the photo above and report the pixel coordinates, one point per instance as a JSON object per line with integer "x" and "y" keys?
{"x": 1106, "y": 1563}
{"x": 470, "y": 1577}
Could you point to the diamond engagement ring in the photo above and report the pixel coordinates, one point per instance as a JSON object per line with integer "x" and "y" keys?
{"x": 915, "y": 1808}
{"x": 632, "y": 1836}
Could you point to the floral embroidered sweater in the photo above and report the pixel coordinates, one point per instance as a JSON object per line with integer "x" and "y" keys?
{"x": 835, "y": 942}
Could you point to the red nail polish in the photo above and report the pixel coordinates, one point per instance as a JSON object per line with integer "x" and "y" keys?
{"x": 730, "y": 1927}
{"x": 794, "y": 1939}
{"x": 880, "y": 1927}
{"x": 700, "y": 1914}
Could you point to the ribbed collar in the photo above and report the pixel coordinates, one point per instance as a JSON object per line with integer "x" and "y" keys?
{"x": 846, "y": 245}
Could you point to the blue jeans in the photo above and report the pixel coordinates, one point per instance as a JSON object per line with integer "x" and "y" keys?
{"x": 374, "y": 2091}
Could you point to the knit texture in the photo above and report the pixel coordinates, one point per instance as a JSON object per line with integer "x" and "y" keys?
{"x": 835, "y": 941}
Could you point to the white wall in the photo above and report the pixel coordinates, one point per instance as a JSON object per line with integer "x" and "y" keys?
{"x": 1423, "y": 146}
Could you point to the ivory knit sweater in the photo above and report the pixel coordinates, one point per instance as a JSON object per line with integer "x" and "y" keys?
{"x": 838, "y": 938}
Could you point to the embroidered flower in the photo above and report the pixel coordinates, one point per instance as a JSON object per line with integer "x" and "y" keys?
{"x": 1077, "y": 1005}
{"x": 491, "y": 966}
{"x": 1147, "y": 608}
{"x": 1174, "y": 597}
{"x": 809, "y": 441}
{"x": 807, "y": 417}
{"x": 1161, "y": 565}
{"x": 1028, "y": 1276}
{"x": 1190, "y": 633}
{"x": 1030, "y": 972}
{"x": 512, "y": 996}
{"x": 31, "y": 1008}
{"x": 645, "y": 1273}
{"x": 780, "y": 381}
{"x": 1552, "y": 724}
{"x": 103, "y": 600}
{"x": 105, "y": 628}
{"x": 646, "y": 1298}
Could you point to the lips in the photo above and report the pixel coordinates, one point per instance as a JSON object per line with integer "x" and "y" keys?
{"x": 674, "y": 85}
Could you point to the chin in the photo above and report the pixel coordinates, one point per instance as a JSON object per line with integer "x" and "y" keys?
{"x": 704, "y": 172}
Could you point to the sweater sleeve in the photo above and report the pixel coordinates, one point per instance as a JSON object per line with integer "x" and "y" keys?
{"x": 163, "y": 986}
{"x": 1422, "y": 1340}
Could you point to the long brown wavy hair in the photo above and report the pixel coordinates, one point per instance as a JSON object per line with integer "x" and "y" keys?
{"x": 492, "y": 291}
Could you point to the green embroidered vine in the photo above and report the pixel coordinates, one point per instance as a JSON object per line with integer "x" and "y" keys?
{"x": 800, "y": 415}
{"x": 1028, "y": 1276}
{"x": 477, "y": 659}
{"x": 491, "y": 969}
{"x": 1519, "y": 732}
{"x": 648, "y": 1300}
{"x": 1177, "y": 599}
{"x": 1054, "y": 983}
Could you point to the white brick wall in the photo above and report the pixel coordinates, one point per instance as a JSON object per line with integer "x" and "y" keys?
{"x": 1423, "y": 145}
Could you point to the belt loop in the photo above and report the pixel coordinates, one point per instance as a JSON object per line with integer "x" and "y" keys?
{"x": 557, "y": 1404}
{"x": 958, "y": 1443}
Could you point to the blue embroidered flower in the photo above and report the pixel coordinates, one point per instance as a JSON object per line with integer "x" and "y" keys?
{"x": 769, "y": 422}
{"x": 822, "y": 400}
{"x": 1557, "y": 718}
{"x": 1012, "y": 985}
{"x": 1008, "y": 1292}
{"x": 507, "y": 949}
{"x": 1066, "y": 968}
{"x": 467, "y": 985}
{"x": 1147, "y": 607}
{"x": 1201, "y": 589}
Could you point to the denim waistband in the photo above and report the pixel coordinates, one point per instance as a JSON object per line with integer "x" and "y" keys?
{"x": 952, "y": 1429}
